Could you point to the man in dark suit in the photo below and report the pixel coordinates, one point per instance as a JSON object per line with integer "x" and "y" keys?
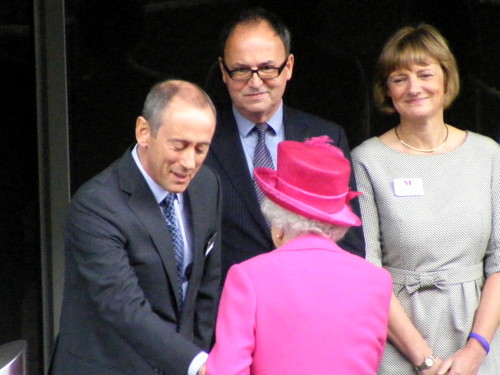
{"x": 140, "y": 296}
{"x": 256, "y": 65}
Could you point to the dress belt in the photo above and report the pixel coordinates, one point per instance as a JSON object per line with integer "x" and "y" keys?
{"x": 414, "y": 281}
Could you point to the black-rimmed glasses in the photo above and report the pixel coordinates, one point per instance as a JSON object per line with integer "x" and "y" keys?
{"x": 264, "y": 72}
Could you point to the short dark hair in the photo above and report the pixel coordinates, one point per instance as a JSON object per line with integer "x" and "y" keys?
{"x": 254, "y": 16}
{"x": 162, "y": 94}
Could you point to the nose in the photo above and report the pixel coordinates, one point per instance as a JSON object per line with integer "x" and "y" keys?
{"x": 413, "y": 85}
{"x": 254, "y": 80}
{"x": 188, "y": 159}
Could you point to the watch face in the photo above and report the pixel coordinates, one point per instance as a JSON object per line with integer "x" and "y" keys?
{"x": 429, "y": 361}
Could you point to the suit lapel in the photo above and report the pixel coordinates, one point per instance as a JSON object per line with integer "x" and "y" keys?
{"x": 228, "y": 150}
{"x": 295, "y": 130}
{"x": 198, "y": 210}
{"x": 143, "y": 204}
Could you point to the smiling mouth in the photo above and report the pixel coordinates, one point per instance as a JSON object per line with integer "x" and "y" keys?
{"x": 255, "y": 94}
{"x": 181, "y": 176}
{"x": 415, "y": 100}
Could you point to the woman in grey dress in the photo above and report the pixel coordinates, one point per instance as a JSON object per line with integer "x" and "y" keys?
{"x": 431, "y": 215}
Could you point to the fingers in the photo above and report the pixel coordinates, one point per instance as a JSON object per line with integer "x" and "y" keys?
{"x": 202, "y": 370}
{"x": 445, "y": 366}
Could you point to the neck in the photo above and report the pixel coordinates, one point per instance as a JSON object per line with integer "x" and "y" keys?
{"x": 257, "y": 117}
{"x": 424, "y": 137}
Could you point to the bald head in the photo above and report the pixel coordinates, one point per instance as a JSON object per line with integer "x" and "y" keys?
{"x": 163, "y": 93}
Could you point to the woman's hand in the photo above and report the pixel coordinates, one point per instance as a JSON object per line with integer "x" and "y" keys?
{"x": 465, "y": 361}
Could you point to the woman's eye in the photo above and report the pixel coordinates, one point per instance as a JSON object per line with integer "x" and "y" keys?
{"x": 397, "y": 80}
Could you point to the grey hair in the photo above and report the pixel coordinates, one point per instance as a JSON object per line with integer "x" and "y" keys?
{"x": 298, "y": 225}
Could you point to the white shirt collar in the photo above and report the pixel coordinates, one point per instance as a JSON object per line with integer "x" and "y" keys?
{"x": 159, "y": 192}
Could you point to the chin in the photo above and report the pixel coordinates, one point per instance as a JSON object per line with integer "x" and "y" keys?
{"x": 176, "y": 187}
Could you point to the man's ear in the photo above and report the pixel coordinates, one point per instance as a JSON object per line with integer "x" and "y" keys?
{"x": 142, "y": 131}
{"x": 222, "y": 70}
{"x": 289, "y": 66}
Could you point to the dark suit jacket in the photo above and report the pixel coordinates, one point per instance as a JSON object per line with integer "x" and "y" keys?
{"x": 244, "y": 230}
{"x": 120, "y": 313}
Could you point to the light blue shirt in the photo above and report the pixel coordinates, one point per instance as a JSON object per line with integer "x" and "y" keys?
{"x": 249, "y": 137}
{"x": 184, "y": 220}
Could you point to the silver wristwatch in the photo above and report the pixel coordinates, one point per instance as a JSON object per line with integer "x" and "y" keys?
{"x": 428, "y": 363}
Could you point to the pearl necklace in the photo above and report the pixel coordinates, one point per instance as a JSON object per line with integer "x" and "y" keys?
{"x": 419, "y": 149}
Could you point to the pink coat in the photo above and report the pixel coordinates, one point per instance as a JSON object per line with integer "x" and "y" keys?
{"x": 308, "y": 307}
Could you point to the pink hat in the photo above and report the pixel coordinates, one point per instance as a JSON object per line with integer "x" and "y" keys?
{"x": 312, "y": 180}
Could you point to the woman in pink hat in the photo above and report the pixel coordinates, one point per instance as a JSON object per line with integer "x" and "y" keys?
{"x": 308, "y": 307}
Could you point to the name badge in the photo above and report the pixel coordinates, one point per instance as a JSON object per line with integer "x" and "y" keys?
{"x": 407, "y": 187}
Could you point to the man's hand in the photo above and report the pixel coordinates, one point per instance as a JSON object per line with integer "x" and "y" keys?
{"x": 202, "y": 369}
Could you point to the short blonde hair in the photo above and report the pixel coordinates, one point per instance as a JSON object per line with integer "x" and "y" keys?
{"x": 414, "y": 45}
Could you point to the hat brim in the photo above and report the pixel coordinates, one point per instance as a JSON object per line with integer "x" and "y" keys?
{"x": 267, "y": 179}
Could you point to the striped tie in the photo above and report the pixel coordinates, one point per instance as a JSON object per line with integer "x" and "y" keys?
{"x": 177, "y": 240}
{"x": 262, "y": 156}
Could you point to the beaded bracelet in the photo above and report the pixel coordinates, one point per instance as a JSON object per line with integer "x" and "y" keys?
{"x": 484, "y": 343}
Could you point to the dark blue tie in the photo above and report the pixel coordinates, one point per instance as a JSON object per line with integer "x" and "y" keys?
{"x": 177, "y": 240}
{"x": 262, "y": 156}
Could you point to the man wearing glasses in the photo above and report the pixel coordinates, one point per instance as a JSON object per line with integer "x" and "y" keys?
{"x": 256, "y": 65}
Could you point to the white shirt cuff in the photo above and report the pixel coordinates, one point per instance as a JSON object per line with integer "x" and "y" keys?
{"x": 196, "y": 363}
